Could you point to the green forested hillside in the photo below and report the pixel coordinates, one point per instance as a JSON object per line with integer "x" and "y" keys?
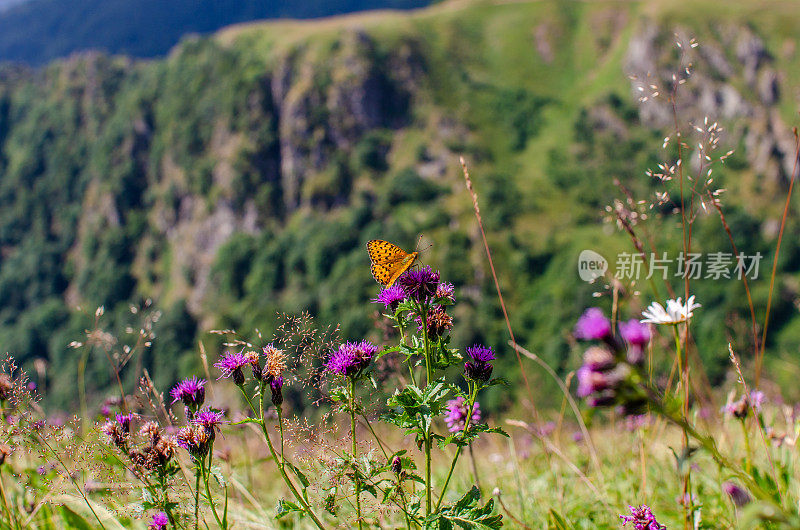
{"x": 242, "y": 175}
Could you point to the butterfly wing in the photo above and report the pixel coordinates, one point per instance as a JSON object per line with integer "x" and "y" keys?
{"x": 402, "y": 267}
{"x": 388, "y": 261}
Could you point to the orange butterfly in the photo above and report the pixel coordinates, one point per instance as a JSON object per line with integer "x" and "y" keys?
{"x": 388, "y": 261}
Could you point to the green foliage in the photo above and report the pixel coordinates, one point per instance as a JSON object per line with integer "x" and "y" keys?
{"x": 466, "y": 513}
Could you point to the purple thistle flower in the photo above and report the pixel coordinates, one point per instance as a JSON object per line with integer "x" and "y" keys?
{"x": 642, "y": 518}
{"x": 191, "y": 392}
{"x": 635, "y": 422}
{"x": 105, "y": 410}
{"x": 591, "y": 381}
{"x": 231, "y": 365}
{"x": 598, "y": 358}
{"x": 757, "y": 399}
{"x": 124, "y": 421}
{"x": 599, "y": 377}
{"x": 593, "y": 325}
{"x": 351, "y": 358}
{"x": 635, "y": 333}
{"x": 738, "y": 409}
{"x": 208, "y": 418}
{"x": 480, "y": 353}
{"x": 547, "y": 429}
{"x": 479, "y": 368}
{"x": 420, "y": 284}
{"x": 738, "y": 495}
{"x": 159, "y": 521}
{"x": 457, "y": 414}
{"x": 391, "y": 297}
{"x": 446, "y": 290}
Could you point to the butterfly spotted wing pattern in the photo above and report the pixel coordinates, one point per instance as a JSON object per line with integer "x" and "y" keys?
{"x": 388, "y": 261}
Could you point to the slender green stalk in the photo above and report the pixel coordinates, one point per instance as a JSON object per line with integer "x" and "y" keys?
{"x": 281, "y": 463}
{"x": 428, "y": 379}
{"x": 403, "y": 342}
{"x": 356, "y": 478}
{"x": 472, "y": 394}
{"x": 82, "y": 387}
{"x": 748, "y": 452}
{"x": 197, "y": 498}
{"x": 374, "y": 435}
{"x": 686, "y": 478}
{"x": 206, "y": 470}
{"x": 475, "y": 469}
{"x": 279, "y": 409}
{"x": 12, "y": 517}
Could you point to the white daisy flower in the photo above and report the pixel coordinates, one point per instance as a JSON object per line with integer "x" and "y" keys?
{"x": 675, "y": 312}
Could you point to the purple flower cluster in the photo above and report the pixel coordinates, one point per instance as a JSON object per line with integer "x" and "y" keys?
{"x": 160, "y": 521}
{"x": 606, "y": 367}
{"x": 641, "y": 518}
{"x": 446, "y": 291}
{"x": 634, "y": 332}
{"x": 124, "y": 421}
{"x": 209, "y": 419}
{"x": 739, "y": 409}
{"x": 352, "y": 358}
{"x": 593, "y": 325}
{"x": 456, "y": 416}
{"x": 478, "y": 368}
{"x": 636, "y": 335}
{"x": 598, "y": 377}
{"x": 420, "y": 284}
{"x": 391, "y": 297}
{"x": 231, "y": 366}
{"x": 190, "y": 391}
{"x": 198, "y": 436}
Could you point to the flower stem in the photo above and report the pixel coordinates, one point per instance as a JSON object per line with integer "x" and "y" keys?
{"x": 686, "y": 478}
{"x": 473, "y": 392}
{"x": 11, "y": 515}
{"x": 206, "y": 472}
{"x": 749, "y": 453}
{"x": 281, "y": 463}
{"x": 428, "y": 379}
{"x": 197, "y": 498}
{"x": 279, "y": 410}
{"x": 356, "y": 478}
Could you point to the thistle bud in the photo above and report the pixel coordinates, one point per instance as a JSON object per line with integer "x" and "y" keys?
{"x": 277, "y": 395}
{"x": 397, "y": 465}
{"x": 738, "y": 495}
{"x": 478, "y": 371}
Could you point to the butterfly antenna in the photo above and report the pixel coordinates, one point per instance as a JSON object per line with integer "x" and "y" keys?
{"x": 419, "y": 240}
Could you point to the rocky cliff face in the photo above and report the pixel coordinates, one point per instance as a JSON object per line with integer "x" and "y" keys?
{"x": 325, "y": 108}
